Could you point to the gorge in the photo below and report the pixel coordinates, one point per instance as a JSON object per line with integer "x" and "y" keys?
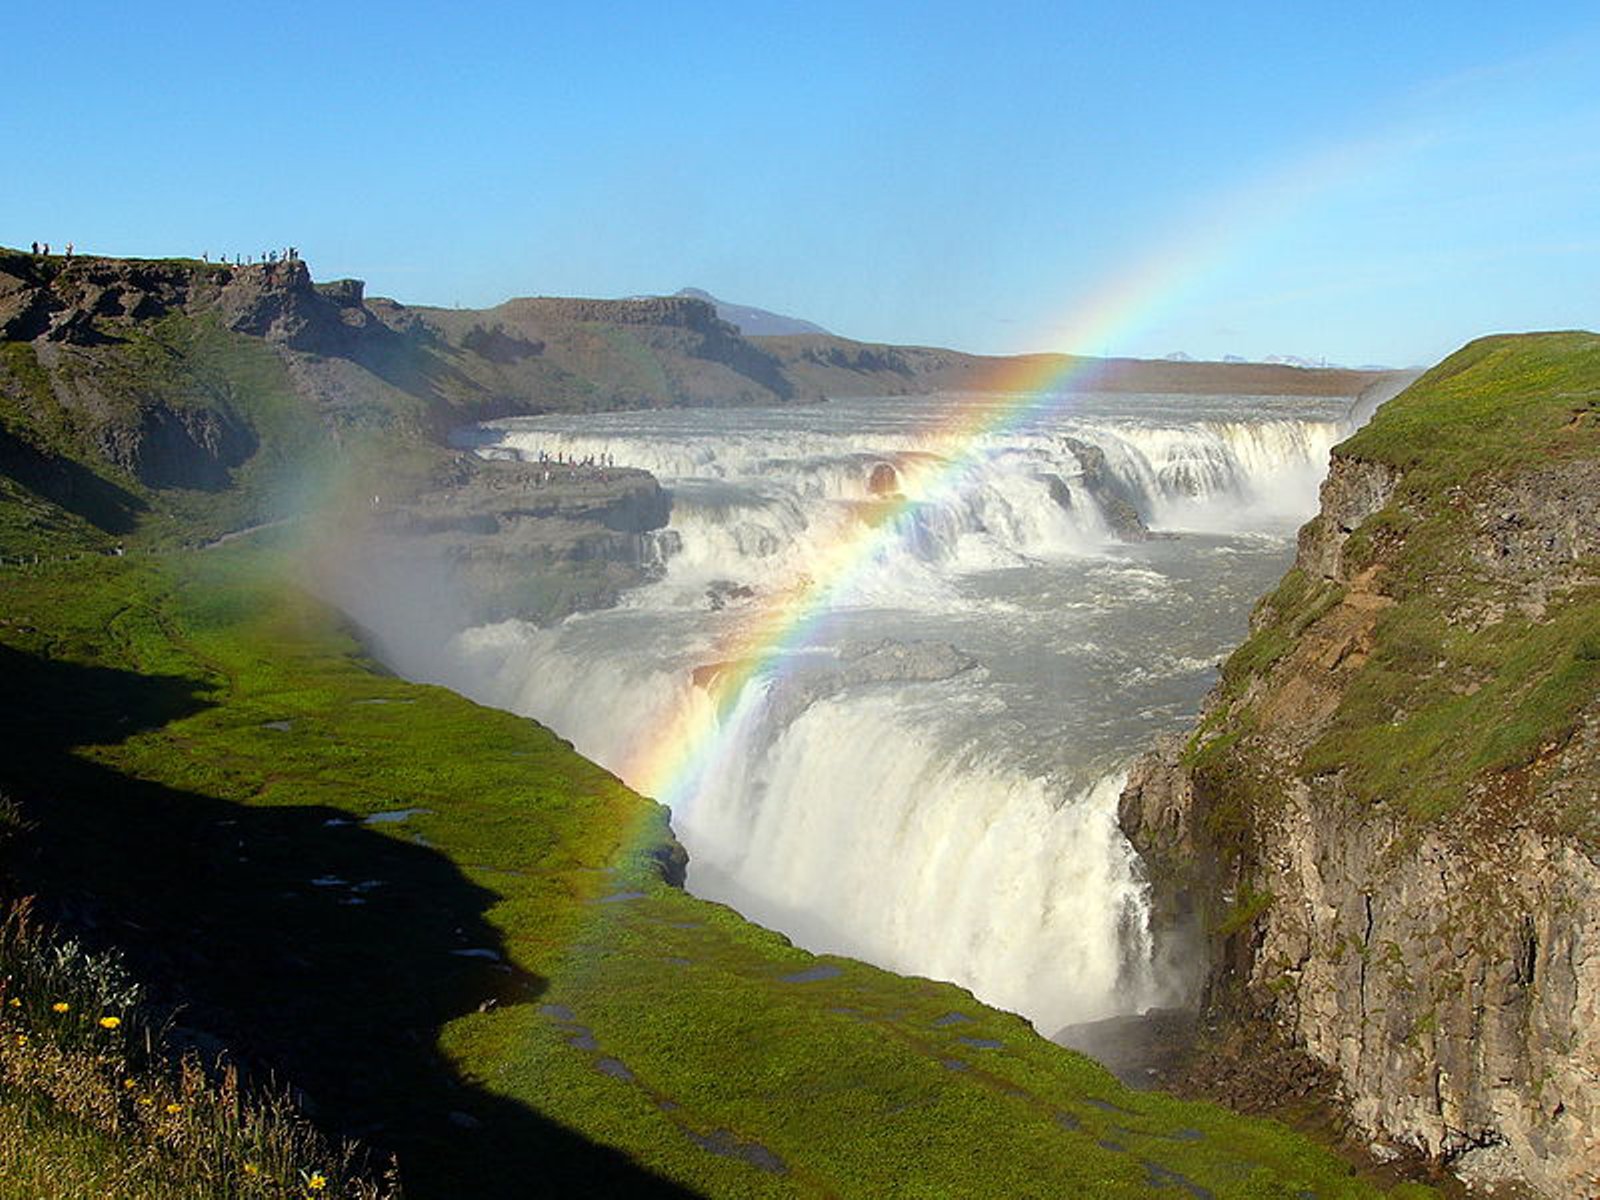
{"x": 928, "y": 778}
{"x": 923, "y": 772}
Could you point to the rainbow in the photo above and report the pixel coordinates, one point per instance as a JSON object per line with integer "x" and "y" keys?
{"x": 671, "y": 765}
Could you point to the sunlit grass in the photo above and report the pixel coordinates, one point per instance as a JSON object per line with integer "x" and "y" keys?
{"x": 853, "y": 1081}
{"x": 107, "y": 1107}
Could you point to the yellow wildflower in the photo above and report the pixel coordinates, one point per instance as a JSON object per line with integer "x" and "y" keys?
{"x": 60, "y": 1006}
{"x": 14, "y": 1002}
{"x": 147, "y": 1101}
{"x": 251, "y": 1169}
{"x": 174, "y": 1108}
{"x": 110, "y": 1022}
{"x": 317, "y": 1182}
{"x": 22, "y": 1039}
{"x": 128, "y": 1084}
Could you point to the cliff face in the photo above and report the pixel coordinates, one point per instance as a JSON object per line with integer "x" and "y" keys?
{"x": 1386, "y": 824}
{"x": 542, "y": 354}
{"x": 511, "y": 539}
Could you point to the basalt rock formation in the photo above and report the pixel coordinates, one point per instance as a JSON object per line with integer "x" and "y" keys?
{"x": 513, "y": 539}
{"x": 1385, "y": 828}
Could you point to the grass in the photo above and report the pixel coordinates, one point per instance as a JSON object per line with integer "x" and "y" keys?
{"x": 88, "y": 1075}
{"x": 1403, "y": 734}
{"x": 199, "y": 746}
{"x": 1448, "y": 706}
{"x": 1496, "y": 406}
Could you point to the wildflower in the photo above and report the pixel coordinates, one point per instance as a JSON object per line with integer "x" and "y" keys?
{"x": 252, "y": 1170}
{"x": 22, "y": 1039}
{"x": 147, "y": 1101}
{"x": 317, "y": 1182}
{"x": 110, "y": 1022}
{"x": 14, "y": 1002}
{"x": 174, "y": 1108}
{"x": 127, "y": 1084}
{"x": 60, "y": 1006}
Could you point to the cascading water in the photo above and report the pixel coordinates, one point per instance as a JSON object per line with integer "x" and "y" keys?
{"x": 929, "y": 780}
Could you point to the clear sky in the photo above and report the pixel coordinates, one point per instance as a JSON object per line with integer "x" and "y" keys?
{"x": 1358, "y": 181}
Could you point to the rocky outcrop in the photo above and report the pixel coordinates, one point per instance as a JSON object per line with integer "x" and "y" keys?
{"x": 179, "y": 447}
{"x": 514, "y": 539}
{"x": 1384, "y": 828}
{"x": 1116, "y": 505}
{"x": 90, "y": 301}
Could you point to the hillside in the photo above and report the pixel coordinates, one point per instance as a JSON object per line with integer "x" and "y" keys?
{"x": 1385, "y": 826}
{"x": 837, "y": 366}
{"x": 176, "y": 393}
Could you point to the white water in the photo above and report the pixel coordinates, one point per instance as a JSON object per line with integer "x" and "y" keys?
{"x": 957, "y": 824}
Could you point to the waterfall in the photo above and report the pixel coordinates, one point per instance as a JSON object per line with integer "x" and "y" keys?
{"x": 930, "y": 782}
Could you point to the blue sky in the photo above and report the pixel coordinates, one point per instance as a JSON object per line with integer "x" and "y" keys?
{"x": 1357, "y": 181}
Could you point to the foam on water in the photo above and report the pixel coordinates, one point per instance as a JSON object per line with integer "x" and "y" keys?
{"x": 957, "y": 821}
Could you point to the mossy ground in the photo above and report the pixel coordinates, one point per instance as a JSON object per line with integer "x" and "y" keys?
{"x": 498, "y": 985}
{"x": 1445, "y": 704}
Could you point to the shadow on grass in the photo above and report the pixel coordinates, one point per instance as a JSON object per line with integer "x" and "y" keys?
{"x": 321, "y": 951}
{"x": 71, "y": 485}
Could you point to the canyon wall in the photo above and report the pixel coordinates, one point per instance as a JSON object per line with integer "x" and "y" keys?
{"x": 1384, "y": 827}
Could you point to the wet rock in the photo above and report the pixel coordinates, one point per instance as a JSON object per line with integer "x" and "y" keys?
{"x": 1116, "y": 504}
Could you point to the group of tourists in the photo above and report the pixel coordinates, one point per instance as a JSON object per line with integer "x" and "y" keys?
{"x": 268, "y": 258}
{"x": 562, "y": 459}
{"x": 571, "y": 466}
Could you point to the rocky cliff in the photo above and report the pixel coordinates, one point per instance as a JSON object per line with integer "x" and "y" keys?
{"x": 512, "y": 539}
{"x": 130, "y": 389}
{"x": 1385, "y": 828}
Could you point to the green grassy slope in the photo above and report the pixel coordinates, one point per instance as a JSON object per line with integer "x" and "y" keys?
{"x": 1477, "y": 672}
{"x": 61, "y": 491}
{"x": 200, "y": 745}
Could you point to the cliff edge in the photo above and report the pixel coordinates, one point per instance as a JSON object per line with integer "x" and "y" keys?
{"x": 1385, "y": 828}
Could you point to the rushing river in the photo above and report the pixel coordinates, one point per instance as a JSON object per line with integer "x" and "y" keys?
{"x": 929, "y": 780}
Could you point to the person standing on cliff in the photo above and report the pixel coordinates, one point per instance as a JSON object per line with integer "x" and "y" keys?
{"x": 69, "y": 249}
{"x": 36, "y": 247}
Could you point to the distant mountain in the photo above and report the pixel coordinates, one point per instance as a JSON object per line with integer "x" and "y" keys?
{"x": 1295, "y": 360}
{"x": 751, "y": 321}
{"x": 1285, "y": 360}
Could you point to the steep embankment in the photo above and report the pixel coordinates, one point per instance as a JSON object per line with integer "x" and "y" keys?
{"x": 1387, "y": 820}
